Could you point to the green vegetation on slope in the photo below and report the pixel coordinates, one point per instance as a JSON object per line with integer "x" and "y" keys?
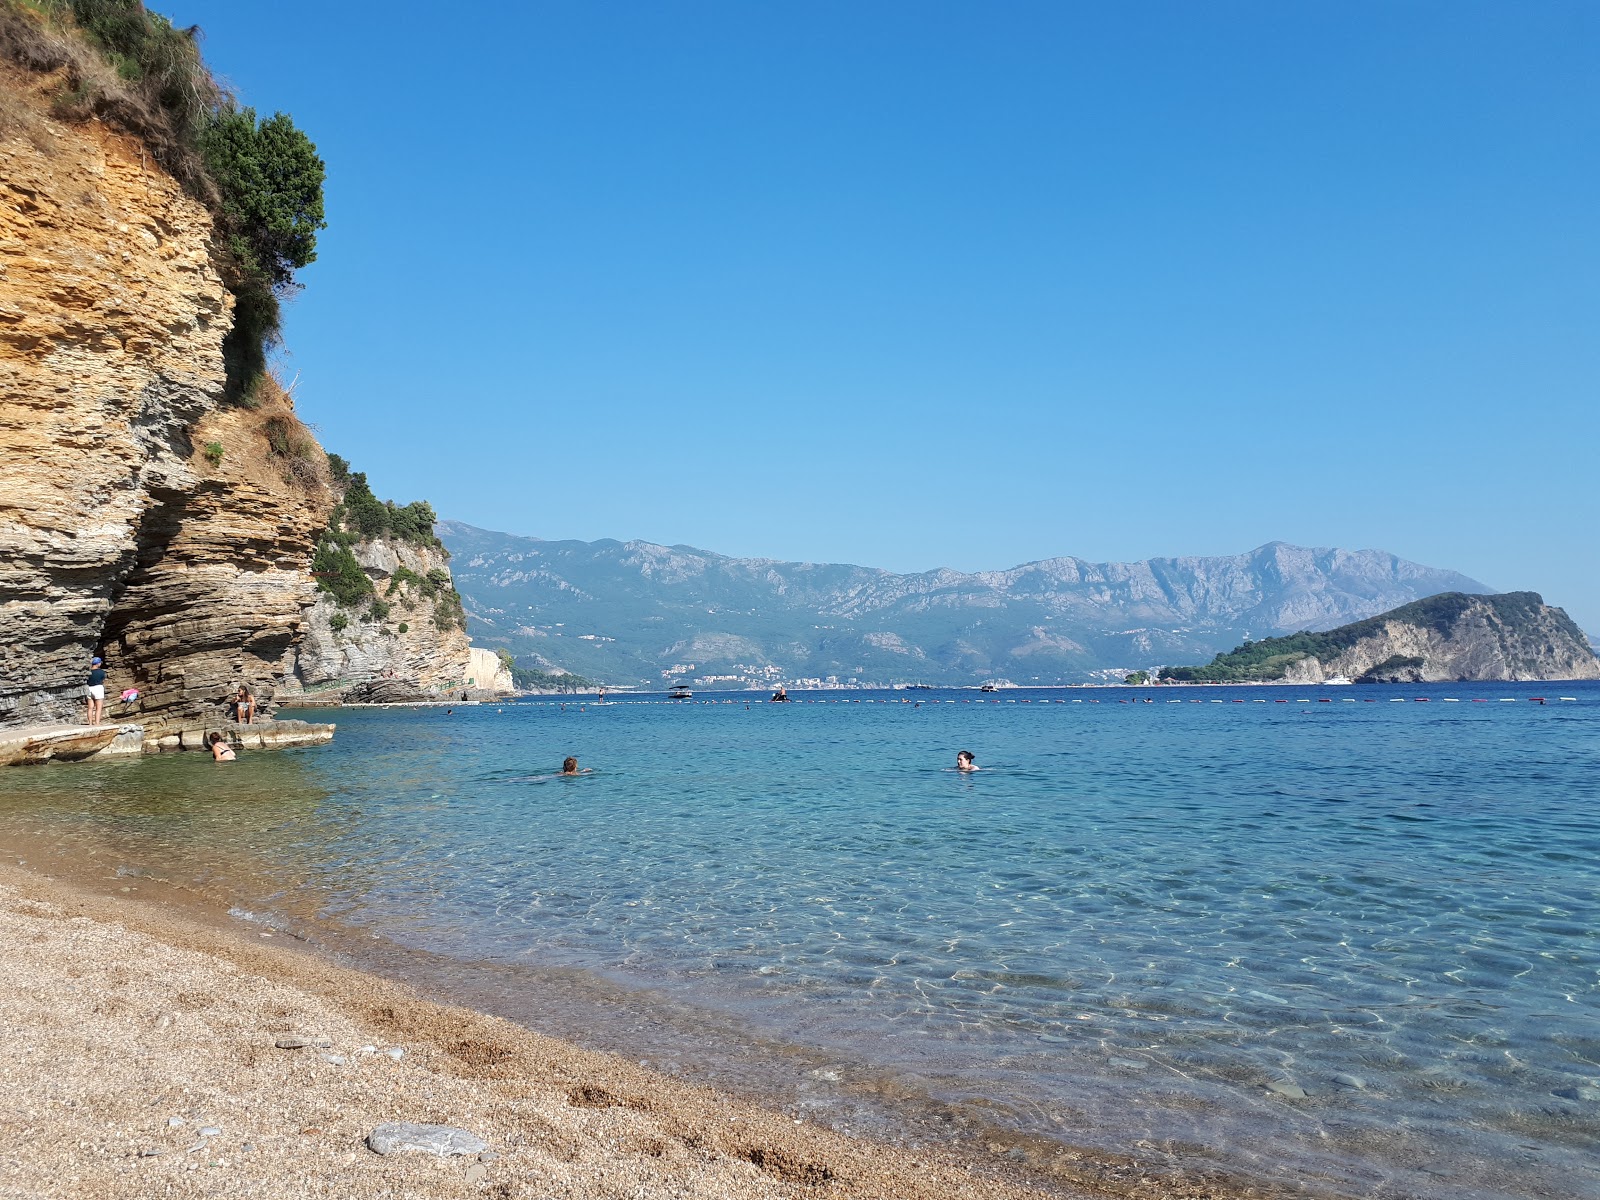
{"x": 530, "y": 679}
{"x": 262, "y": 180}
{"x": 360, "y": 516}
{"x": 365, "y": 516}
{"x": 1268, "y": 659}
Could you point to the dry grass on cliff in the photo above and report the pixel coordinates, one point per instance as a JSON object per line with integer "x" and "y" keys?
{"x": 81, "y": 85}
{"x": 266, "y": 443}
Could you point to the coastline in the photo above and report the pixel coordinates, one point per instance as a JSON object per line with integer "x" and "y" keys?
{"x": 135, "y": 1010}
{"x": 125, "y": 1015}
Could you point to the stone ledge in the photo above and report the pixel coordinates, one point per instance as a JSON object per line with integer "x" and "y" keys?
{"x": 35, "y": 744}
{"x": 257, "y": 735}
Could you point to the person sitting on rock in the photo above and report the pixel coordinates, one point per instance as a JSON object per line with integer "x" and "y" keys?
{"x": 220, "y": 750}
{"x": 244, "y": 705}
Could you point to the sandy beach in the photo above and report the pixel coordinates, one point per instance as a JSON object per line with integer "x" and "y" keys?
{"x": 153, "y": 1054}
{"x": 131, "y": 1030}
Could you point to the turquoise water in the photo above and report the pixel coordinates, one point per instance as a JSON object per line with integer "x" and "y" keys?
{"x": 1321, "y": 933}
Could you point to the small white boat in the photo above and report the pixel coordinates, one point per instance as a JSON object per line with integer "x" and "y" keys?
{"x": 1337, "y": 681}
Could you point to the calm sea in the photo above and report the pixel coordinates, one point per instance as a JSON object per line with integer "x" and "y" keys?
{"x": 1330, "y": 934}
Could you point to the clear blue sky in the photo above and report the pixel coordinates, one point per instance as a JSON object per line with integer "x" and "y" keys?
{"x": 921, "y": 284}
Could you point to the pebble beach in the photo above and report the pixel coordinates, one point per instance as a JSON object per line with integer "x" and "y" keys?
{"x": 151, "y": 1055}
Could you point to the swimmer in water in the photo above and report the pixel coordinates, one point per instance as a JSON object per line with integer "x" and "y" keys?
{"x": 569, "y": 766}
{"x": 965, "y": 761}
{"x": 220, "y": 750}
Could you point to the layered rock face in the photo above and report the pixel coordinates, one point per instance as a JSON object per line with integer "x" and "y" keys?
{"x": 349, "y": 654}
{"x": 1512, "y": 637}
{"x": 119, "y": 534}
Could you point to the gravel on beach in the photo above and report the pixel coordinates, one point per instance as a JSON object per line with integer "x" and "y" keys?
{"x": 147, "y": 1054}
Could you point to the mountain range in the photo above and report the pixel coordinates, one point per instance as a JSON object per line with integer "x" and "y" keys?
{"x": 644, "y": 614}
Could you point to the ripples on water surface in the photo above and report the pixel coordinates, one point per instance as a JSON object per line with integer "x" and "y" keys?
{"x": 1138, "y": 921}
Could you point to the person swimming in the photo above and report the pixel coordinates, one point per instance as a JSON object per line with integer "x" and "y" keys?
{"x": 569, "y": 766}
{"x": 965, "y": 761}
{"x": 220, "y": 750}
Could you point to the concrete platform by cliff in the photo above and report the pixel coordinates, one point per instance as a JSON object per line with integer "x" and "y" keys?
{"x": 35, "y": 744}
{"x": 258, "y": 735}
{"x": 67, "y": 743}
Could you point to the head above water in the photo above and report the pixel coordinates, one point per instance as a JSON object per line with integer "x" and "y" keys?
{"x": 214, "y": 738}
{"x": 965, "y": 761}
{"x": 569, "y": 765}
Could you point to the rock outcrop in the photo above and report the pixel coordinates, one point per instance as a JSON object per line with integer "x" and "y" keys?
{"x": 416, "y": 651}
{"x": 488, "y": 672}
{"x": 121, "y": 533}
{"x": 1509, "y": 637}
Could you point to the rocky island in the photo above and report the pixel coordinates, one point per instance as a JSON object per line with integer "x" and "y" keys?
{"x": 1509, "y": 637}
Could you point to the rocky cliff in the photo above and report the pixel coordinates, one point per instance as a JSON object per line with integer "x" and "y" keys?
{"x": 1456, "y": 637}
{"x": 139, "y": 514}
{"x": 410, "y": 646}
{"x": 1509, "y": 637}
{"x": 488, "y": 671}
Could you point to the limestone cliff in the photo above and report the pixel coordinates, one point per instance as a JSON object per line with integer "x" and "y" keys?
{"x": 411, "y": 646}
{"x": 488, "y": 671}
{"x": 1509, "y": 637}
{"x": 139, "y": 515}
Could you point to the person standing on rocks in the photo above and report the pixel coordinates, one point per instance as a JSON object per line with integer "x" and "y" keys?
{"x": 96, "y": 691}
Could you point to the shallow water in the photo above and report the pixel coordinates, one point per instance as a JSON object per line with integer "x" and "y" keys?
{"x": 1140, "y": 923}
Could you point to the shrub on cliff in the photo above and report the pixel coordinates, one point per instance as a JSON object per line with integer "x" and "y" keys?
{"x": 361, "y": 516}
{"x": 337, "y": 572}
{"x": 362, "y": 513}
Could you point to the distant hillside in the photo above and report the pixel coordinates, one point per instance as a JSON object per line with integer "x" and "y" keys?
{"x": 1512, "y": 636}
{"x": 636, "y": 612}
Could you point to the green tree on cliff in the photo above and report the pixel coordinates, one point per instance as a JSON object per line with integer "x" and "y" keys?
{"x": 270, "y": 179}
{"x": 271, "y": 182}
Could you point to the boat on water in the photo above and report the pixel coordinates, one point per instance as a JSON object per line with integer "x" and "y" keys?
{"x": 1337, "y": 681}
{"x": 988, "y": 687}
{"x": 916, "y": 687}
{"x": 679, "y": 692}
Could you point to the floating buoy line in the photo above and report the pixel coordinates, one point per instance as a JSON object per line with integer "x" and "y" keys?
{"x": 1078, "y": 700}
